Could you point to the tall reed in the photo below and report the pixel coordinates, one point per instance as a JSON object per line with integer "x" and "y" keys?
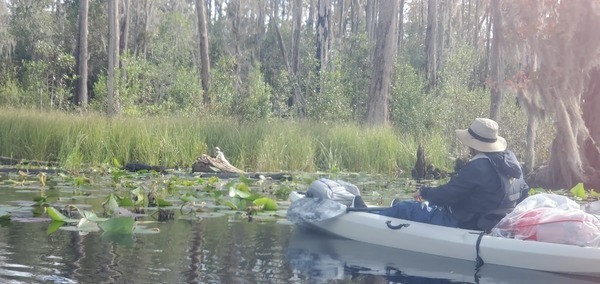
{"x": 75, "y": 140}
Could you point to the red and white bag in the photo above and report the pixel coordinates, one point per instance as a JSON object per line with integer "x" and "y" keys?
{"x": 550, "y": 218}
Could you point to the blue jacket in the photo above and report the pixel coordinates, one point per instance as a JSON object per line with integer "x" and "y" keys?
{"x": 487, "y": 182}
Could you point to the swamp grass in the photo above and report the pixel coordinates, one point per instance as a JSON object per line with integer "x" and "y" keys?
{"x": 74, "y": 140}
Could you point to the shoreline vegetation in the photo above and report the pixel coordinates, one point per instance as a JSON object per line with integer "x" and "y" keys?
{"x": 73, "y": 140}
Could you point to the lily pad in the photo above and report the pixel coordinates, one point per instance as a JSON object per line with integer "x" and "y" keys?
{"x": 118, "y": 225}
{"x": 111, "y": 204}
{"x": 54, "y": 225}
{"x": 230, "y": 204}
{"x": 187, "y": 197}
{"x": 162, "y": 203}
{"x": 267, "y": 203}
{"x": 126, "y": 201}
{"x": 240, "y": 191}
{"x": 91, "y": 216}
{"x": 55, "y": 215}
{"x": 579, "y": 191}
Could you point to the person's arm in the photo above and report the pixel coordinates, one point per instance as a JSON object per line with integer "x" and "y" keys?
{"x": 471, "y": 177}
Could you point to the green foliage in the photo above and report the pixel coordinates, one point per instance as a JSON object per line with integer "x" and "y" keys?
{"x": 223, "y": 86}
{"x": 344, "y": 90}
{"x": 330, "y": 103}
{"x": 30, "y": 24}
{"x": 579, "y": 192}
{"x": 256, "y": 105}
{"x": 11, "y": 94}
{"x": 48, "y": 79}
{"x": 174, "y": 42}
{"x": 458, "y": 72}
{"x": 411, "y": 109}
{"x": 146, "y": 88}
{"x": 354, "y": 68}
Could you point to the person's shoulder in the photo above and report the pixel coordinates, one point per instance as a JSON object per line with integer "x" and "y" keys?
{"x": 481, "y": 164}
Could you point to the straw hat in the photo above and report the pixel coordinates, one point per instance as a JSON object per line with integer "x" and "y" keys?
{"x": 482, "y": 136}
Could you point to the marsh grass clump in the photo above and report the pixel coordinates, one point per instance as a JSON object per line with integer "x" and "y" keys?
{"x": 172, "y": 141}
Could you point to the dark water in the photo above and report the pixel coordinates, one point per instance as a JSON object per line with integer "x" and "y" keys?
{"x": 214, "y": 250}
{"x": 221, "y": 249}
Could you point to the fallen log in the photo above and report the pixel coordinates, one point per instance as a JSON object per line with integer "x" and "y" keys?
{"x": 257, "y": 175}
{"x": 13, "y": 162}
{"x": 208, "y": 164}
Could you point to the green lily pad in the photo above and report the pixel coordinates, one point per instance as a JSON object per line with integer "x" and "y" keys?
{"x": 84, "y": 226}
{"x": 91, "y": 216}
{"x": 54, "y": 225}
{"x": 126, "y": 201}
{"x": 163, "y": 203}
{"x": 267, "y": 203}
{"x": 578, "y": 191}
{"x": 111, "y": 204}
{"x": 230, "y": 204}
{"x": 55, "y": 215}
{"x": 188, "y": 198}
{"x": 240, "y": 190}
{"x": 118, "y": 225}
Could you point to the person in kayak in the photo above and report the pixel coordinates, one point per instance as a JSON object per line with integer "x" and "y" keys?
{"x": 480, "y": 194}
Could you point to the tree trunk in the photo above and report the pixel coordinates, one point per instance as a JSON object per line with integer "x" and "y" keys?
{"x": 384, "y": 58}
{"x": 496, "y": 69}
{"x": 143, "y": 35}
{"x": 442, "y": 14}
{"x": 341, "y": 21}
{"x": 532, "y": 124}
{"x": 296, "y": 30}
{"x": 125, "y": 26}
{"x": 113, "y": 55}
{"x": 477, "y": 24}
{"x": 82, "y": 56}
{"x": 566, "y": 77}
{"x": 297, "y": 98}
{"x": 448, "y": 39}
{"x": 591, "y": 97}
{"x": 204, "y": 51}
{"x": 60, "y": 18}
{"x": 431, "y": 45}
{"x": 233, "y": 12}
{"x": 371, "y": 21}
{"x": 310, "y": 19}
{"x": 322, "y": 33}
{"x": 488, "y": 43}
{"x": 124, "y": 38}
{"x": 400, "y": 24}
{"x": 356, "y": 15}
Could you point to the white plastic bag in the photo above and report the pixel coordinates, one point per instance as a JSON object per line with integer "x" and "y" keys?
{"x": 550, "y": 218}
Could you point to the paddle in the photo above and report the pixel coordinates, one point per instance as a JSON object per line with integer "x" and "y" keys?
{"x": 311, "y": 210}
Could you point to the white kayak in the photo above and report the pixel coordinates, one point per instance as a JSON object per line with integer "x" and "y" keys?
{"x": 324, "y": 258}
{"x": 459, "y": 243}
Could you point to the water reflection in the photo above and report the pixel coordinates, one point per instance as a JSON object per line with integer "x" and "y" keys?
{"x": 214, "y": 250}
{"x": 228, "y": 250}
{"x": 324, "y": 258}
